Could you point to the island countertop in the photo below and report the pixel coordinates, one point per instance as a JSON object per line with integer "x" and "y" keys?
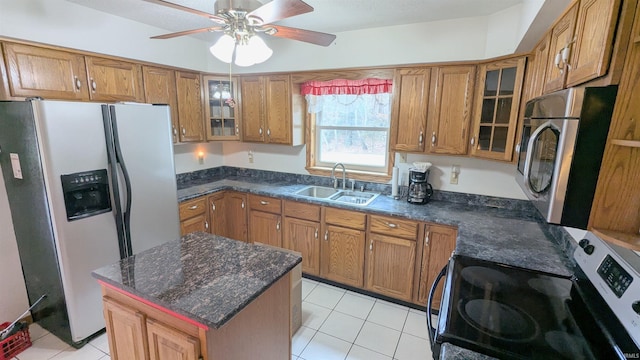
{"x": 203, "y": 277}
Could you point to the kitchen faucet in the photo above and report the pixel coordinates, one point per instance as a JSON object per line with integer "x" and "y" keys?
{"x": 344, "y": 176}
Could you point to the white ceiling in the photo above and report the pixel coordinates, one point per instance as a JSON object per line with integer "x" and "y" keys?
{"x": 329, "y": 16}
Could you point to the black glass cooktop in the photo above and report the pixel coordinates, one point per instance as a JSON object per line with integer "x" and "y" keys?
{"x": 513, "y": 313}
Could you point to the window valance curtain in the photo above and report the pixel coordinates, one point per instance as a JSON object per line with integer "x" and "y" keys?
{"x": 346, "y": 87}
{"x": 369, "y": 93}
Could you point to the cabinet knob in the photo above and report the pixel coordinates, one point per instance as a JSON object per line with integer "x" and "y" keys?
{"x": 193, "y": 207}
{"x": 473, "y": 140}
{"x": 184, "y": 131}
{"x": 175, "y": 131}
{"x": 78, "y": 82}
{"x": 392, "y": 225}
{"x": 94, "y": 86}
{"x": 278, "y": 226}
{"x": 316, "y": 234}
{"x": 269, "y": 132}
{"x": 262, "y": 202}
{"x": 433, "y": 138}
{"x": 426, "y": 238}
{"x": 326, "y": 235}
{"x": 260, "y": 131}
{"x": 213, "y": 207}
{"x": 206, "y": 225}
{"x": 242, "y": 205}
{"x": 421, "y": 138}
{"x": 371, "y": 245}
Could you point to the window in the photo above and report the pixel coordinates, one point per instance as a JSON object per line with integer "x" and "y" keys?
{"x": 350, "y": 123}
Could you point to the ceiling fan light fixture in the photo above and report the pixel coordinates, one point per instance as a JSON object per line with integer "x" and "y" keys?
{"x": 244, "y": 55}
{"x": 223, "y": 48}
{"x": 260, "y": 52}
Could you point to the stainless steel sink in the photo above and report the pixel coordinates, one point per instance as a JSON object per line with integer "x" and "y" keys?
{"x": 337, "y": 195}
{"x": 320, "y": 192}
{"x": 354, "y": 197}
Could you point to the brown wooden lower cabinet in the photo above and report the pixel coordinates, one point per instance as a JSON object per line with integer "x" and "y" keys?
{"x": 302, "y": 233}
{"x": 236, "y": 213}
{"x": 194, "y": 216}
{"x": 342, "y": 255}
{"x": 265, "y": 220}
{"x": 217, "y": 215}
{"x": 438, "y": 244}
{"x": 390, "y": 266}
{"x": 140, "y": 331}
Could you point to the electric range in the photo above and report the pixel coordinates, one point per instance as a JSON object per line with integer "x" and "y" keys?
{"x": 513, "y": 313}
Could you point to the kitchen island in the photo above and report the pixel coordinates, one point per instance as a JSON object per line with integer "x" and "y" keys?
{"x": 202, "y": 296}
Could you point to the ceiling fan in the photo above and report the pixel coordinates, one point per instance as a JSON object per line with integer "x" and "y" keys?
{"x": 241, "y": 19}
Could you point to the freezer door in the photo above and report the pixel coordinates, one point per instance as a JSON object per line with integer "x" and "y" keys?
{"x": 143, "y": 136}
{"x": 72, "y": 140}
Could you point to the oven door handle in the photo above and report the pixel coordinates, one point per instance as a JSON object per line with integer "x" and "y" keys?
{"x": 432, "y": 292}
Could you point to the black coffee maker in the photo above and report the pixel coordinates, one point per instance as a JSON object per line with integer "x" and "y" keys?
{"x": 420, "y": 190}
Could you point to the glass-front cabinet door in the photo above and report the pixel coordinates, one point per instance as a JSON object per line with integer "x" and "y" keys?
{"x": 497, "y": 103}
{"x": 222, "y": 122}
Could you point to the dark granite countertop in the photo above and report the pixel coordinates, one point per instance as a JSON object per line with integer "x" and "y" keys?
{"x": 204, "y": 277}
{"x": 494, "y": 233}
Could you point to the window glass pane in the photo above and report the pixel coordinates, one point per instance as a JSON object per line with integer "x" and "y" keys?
{"x": 484, "y": 137}
{"x": 353, "y": 147}
{"x": 491, "y": 84}
{"x": 499, "y": 139}
{"x": 508, "y": 81}
{"x": 504, "y": 111}
{"x": 488, "y": 107}
{"x": 355, "y": 110}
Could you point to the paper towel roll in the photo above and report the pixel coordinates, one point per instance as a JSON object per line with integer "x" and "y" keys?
{"x": 394, "y": 182}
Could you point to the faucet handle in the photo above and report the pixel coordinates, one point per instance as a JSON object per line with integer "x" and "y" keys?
{"x": 353, "y": 184}
{"x": 335, "y": 183}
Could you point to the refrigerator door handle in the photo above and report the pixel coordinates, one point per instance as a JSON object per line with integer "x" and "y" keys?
{"x": 127, "y": 181}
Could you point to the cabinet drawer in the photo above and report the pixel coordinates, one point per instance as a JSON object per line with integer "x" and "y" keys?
{"x": 193, "y": 208}
{"x": 346, "y": 218}
{"x": 302, "y": 210}
{"x": 395, "y": 227}
{"x": 265, "y": 203}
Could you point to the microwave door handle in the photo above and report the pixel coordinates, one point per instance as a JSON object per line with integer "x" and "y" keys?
{"x": 528, "y": 159}
{"x": 432, "y": 293}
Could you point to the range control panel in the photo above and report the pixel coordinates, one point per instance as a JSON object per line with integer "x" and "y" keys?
{"x": 614, "y": 275}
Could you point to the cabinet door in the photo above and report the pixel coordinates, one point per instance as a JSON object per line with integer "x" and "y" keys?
{"x": 221, "y": 122}
{"x": 217, "y": 216}
{"x": 595, "y": 30}
{"x": 189, "y": 106}
{"x": 439, "y": 243}
{"x": 303, "y": 236}
{"x": 342, "y": 255}
{"x": 236, "y": 214}
{"x": 166, "y": 343}
{"x": 196, "y": 223}
{"x": 450, "y": 109}
{"x": 277, "y": 90}
{"x": 114, "y": 80}
{"x": 252, "y": 109}
{"x": 409, "y": 114}
{"x": 126, "y": 331}
{"x": 496, "y": 113}
{"x": 51, "y": 74}
{"x": 536, "y": 69}
{"x": 265, "y": 228}
{"x": 160, "y": 88}
{"x": 391, "y": 266}
{"x": 561, "y": 37}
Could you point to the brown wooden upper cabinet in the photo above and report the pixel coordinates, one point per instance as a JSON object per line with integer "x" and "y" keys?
{"x": 160, "y": 88}
{"x": 409, "y": 114}
{"x": 496, "y": 109}
{"x": 189, "y": 106}
{"x": 537, "y": 68}
{"x": 266, "y": 109}
{"x": 221, "y": 110}
{"x": 581, "y": 43}
{"x": 51, "y": 74}
{"x": 450, "y": 106}
{"x": 114, "y": 80}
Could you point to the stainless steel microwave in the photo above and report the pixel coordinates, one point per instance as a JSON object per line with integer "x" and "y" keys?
{"x": 560, "y": 151}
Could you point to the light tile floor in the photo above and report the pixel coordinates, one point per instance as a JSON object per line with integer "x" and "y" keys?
{"x": 336, "y": 324}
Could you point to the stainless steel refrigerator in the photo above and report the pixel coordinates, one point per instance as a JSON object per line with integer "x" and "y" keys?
{"x": 87, "y": 184}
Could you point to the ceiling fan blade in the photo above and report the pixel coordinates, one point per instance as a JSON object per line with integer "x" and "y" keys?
{"x": 215, "y": 18}
{"x": 187, "y": 32}
{"x": 309, "y": 36}
{"x": 279, "y": 9}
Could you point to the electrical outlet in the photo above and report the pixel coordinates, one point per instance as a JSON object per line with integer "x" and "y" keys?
{"x": 250, "y": 157}
{"x": 455, "y": 174}
{"x": 402, "y": 157}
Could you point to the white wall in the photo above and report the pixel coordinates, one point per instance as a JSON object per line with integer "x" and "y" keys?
{"x": 187, "y": 160}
